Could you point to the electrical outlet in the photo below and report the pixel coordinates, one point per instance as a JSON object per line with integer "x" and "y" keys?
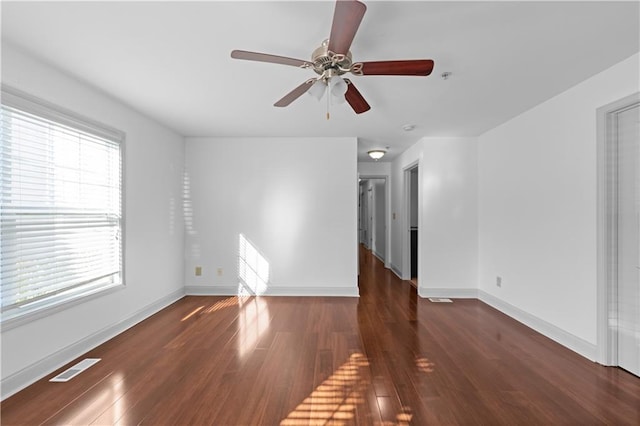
{"x": 198, "y": 271}
{"x": 219, "y": 272}
{"x": 499, "y": 281}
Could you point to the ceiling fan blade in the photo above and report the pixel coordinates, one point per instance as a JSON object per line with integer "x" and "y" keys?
{"x": 346, "y": 20}
{"x": 264, "y": 57}
{"x": 295, "y": 93}
{"x": 417, "y": 67}
{"x": 355, "y": 99}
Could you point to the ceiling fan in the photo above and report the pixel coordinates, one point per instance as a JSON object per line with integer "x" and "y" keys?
{"x": 333, "y": 59}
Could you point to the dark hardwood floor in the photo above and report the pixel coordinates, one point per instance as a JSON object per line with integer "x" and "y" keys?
{"x": 387, "y": 358}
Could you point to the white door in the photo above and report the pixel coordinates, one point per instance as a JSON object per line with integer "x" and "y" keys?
{"x": 628, "y": 130}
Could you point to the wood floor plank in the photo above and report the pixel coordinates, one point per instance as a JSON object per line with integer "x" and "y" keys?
{"x": 386, "y": 358}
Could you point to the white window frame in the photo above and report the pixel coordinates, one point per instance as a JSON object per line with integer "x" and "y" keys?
{"x": 48, "y": 111}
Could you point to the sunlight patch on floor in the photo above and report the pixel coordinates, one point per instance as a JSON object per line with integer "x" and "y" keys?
{"x": 253, "y": 321}
{"x": 195, "y": 311}
{"x": 221, "y": 304}
{"x": 424, "y": 365}
{"x": 335, "y": 400}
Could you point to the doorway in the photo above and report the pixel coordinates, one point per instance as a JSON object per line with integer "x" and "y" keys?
{"x": 372, "y": 216}
{"x": 619, "y": 234}
{"x": 410, "y": 263}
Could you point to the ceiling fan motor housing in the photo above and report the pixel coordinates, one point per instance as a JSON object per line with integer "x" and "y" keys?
{"x": 327, "y": 62}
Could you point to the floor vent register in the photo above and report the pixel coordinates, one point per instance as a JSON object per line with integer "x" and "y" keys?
{"x": 440, "y": 300}
{"x": 72, "y": 372}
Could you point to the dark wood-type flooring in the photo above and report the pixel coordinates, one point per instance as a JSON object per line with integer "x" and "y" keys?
{"x": 387, "y": 358}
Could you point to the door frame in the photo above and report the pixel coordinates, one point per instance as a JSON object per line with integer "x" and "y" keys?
{"x": 607, "y": 228}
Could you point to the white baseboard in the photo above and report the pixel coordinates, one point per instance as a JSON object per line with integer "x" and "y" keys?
{"x": 575, "y": 343}
{"x": 379, "y": 256}
{"x": 36, "y": 371}
{"x": 195, "y": 290}
{"x": 313, "y": 291}
{"x": 449, "y": 293}
{"x": 277, "y": 291}
{"x": 395, "y": 270}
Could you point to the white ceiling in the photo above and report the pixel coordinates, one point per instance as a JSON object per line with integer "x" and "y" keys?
{"x": 170, "y": 60}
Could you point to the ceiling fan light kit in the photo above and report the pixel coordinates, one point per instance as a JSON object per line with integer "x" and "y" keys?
{"x": 333, "y": 59}
{"x": 317, "y": 89}
{"x": 338, "y": 87}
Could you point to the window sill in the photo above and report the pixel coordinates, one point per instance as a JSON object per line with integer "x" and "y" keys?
{"x": 16, "y": 318}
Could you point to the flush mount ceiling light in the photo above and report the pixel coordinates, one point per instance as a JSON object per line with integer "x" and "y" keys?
{"x": 377, "y": 154}
{"x": 408, "y": 127}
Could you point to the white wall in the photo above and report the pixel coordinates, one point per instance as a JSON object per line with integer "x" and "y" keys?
{"x": 296, "y": 203}
{"x": 447, "y": 215}
{"x": 448, "y": 220}
{"x": 537, "y": 209}
{"x": 154, "y": 158}
{"x": 374, "y": 169}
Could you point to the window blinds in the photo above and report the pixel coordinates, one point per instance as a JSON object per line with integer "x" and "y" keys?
{"x": 60, "y": 206}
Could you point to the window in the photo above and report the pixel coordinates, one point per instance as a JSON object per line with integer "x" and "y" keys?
{"x": 60, "y": 206}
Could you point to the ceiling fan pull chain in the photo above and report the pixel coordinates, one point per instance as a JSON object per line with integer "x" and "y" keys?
{"x": 328, "y": 100}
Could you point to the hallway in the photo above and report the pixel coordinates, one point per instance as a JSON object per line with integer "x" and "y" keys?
{"x": 387, "y": 358}
{"x": 466, "y": 363}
